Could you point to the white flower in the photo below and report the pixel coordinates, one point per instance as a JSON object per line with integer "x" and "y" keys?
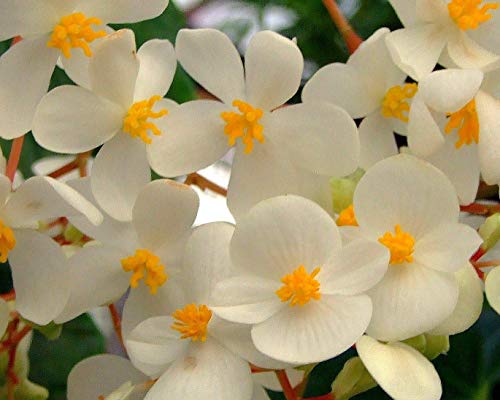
{"x": 275, "y": 146}
{"x": 47, "y": 29}
{"x": 122, "y": 110}
{"x": 297, "y": 285}
{"x": 368, "y": 86}
{"x": 400, "y": 370}
{"x": 4, "y": 316}
{"x": 492, "y": 288}
{"x": 411, "y": 208}
{"x": 465, "y": 31}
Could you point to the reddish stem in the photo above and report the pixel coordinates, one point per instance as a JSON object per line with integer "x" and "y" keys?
{"x": 477, "y": 255}
{"x": 204, "y": 183}
{"x": 286, "y": 385}
{"x": 82, "y": 163}
{"x": 9, "y": 295}
{"x": 14, "y": 156}
{"x": 65, "y": 169}
{"x": 351, "y": 38}
{"x": 117, "y": 324}
{"x": 258, "y": 370}
{"x": 484, "y": 264}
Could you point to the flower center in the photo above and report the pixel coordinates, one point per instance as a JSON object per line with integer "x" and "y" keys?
{"x": 136, "y": 122}
{"x": 468, "y": 14}
{"x": 400, "y": 245}
{"x": 243, "y": 125}
{"x": 145, "y": 264}
{"x": 7, "y": 241}
{"x": 299, "y": 287}
{"x": 75, "y": 30}
{"x": 395, "y": 103}
{"x": 466, "y": 122}
{"x": 192, "y": 322}
{"x": 347, "y": 217}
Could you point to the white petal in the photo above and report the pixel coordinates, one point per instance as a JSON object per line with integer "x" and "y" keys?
{"x": 26, "y": 18}
{"x": 210, "y": 57}
{"x": 273, "y": 70}
{"x": 447, "y": 248}
{"x": 407, "y": 191}
{"x": 466, "y": 53}
{"x": 114, "y": 67}
{"x": 115, "y": 184}
{"x": 207, "y": 371}
{"x": 280, "y": 234}
{"x": 157, "y": 69}
{"x": 101, "y": 375}
{"x": 193, "y": 138}
{"x": 123, "y": 11}
{"x": 400, "y": 370}
{"x": 317, "y": 331}
{"x": 469, "y": 305}
{"x": 320, "y": 137}
{"x": 4, "y": 316}
{"x": 405, "y": 10}
{"x": 488, "y": 109}
{"x": 164, "y": 212}
{"x": 41, "y": 287}
{"x": 492, "y": 288}
{"x": 71, "y": 119}
{"x": 25, "y": 71}
{"x": 410, "y": 300}
{"x": 451, "y": 89}
{"x": 416, "y": 50}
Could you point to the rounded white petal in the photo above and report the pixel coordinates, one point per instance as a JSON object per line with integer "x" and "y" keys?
{"x": 193, "y": 138}
{"x": 317, "y": 331}
{"x": 116, "y": 184}
{"x": 123, "y": 11}
{"x": 466, "y": 53}
{"x": 406, "y": 191}
{"x": 210, "y": 57}
{"x": 25, "y": 71}
{"x": 157, "y": 69}
{"x": 405, "y": 10}
{"x": 321, "y": 138}
{"x": 492, "y": 289}
{"x": 400, "y": 370}
{"x": 4, "y": 316}
{"x": 488, "y": 109}
{"x": 40, "y": 274}
{"x": 25, "y": 18}
{"x": 410, "y": 300}
{"x": 273, "y": 70}
{"x": 72, "y": 119}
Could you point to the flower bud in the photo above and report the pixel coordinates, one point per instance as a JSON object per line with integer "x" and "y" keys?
{"x": 352, "y": 380}
{"x": 343, "y": 190}
{"x": 490, "y": 231}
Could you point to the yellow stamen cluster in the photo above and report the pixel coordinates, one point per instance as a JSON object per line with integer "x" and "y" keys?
{"x": 245, "y": 125}
{"x": 145, "y": 264}
{"x": 469, "y": 14}
{"x": 192, "y": 322}
{"x": 466, "y": 122}
{"x": 395, "y": 103}
{"x": 136, "y": 122}
{"x": 347, "y": 217}
{"x": 7, "y": 241}
{"x": 73, "y": 31}
{"x": 400, "y": 245}
{"x": 300, "y": 287}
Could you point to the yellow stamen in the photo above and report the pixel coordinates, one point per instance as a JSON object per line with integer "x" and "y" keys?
{"x": 73, "y": 31}
{"x": 395, "y": 103}
{"x": 245, "y": 125}
{"x": 145, "y": 264}
{"x": 400, "y": 244}
{"x": 468, "y": 14}
{"x": 7, "y": 241}
{"x": 466, "y": 122}
{"x": 192, "y": 322}
{"x": 136, "y": 122}
{"x": 300, "y": 287}
{"x": 347, "y": 217}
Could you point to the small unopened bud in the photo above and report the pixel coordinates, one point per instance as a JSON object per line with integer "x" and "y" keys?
{"x": 419, "y": 343}
{"x": 343, "y": 190}
{"x": 72, "y": 235}
{"x": 436, "y": 345}
{"x": 490, "y": 231}
{"x": 352, "y": 380}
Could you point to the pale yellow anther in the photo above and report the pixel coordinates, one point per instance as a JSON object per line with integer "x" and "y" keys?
{"x": 192, "y": 322}
{"x": 466, "y": 122}
{"x": 137, "y": 124}
{"x": 73, "y": 31}
{"x": 469, "y": 14}
{"x": 244, "y": 125}
{"x": 145, "y": 265}
{"x": 395, "y": 103}
{"x": 300, "y": 287}
{"x": 347, "y": 217}
{"x": 400, "y": 244}
{"x": 7, "y": 241}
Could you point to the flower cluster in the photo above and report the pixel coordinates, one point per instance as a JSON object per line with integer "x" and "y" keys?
{"x": 383, "y": 262}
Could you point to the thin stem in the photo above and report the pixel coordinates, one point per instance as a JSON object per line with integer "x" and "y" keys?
{"x": 484, "y": 264}
{"x": 351, "y": 38}
{"x": 82, "y": 160}
{"x": 204, "y": 183}
{"x": 481, "y": 209}
{"x": 258, "y": 370}
{"x": 477, "y": 255}
{"x": 117, "y": 324}
{"x": 14, "y": 157}
{"x": 65, "y": 169}
{"x": 286, "y": 385}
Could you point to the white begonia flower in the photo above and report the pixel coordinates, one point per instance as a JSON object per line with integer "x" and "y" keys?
{"x": 122, "y": 110}
{"x": 297, "y": 286}
{"x": 4, "y": 316}
{"x": 400, "y": 370}
{"x": 411, "y": 208}
{"x": 368, "y": 86}
{"x": 275, "y": 146}
{"x": 52, "y": 30}
{"x": 492, "y": 288}
{"x": 466, "y": 31}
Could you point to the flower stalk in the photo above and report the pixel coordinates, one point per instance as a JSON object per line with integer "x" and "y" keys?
{"x": 351, "y": 38}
